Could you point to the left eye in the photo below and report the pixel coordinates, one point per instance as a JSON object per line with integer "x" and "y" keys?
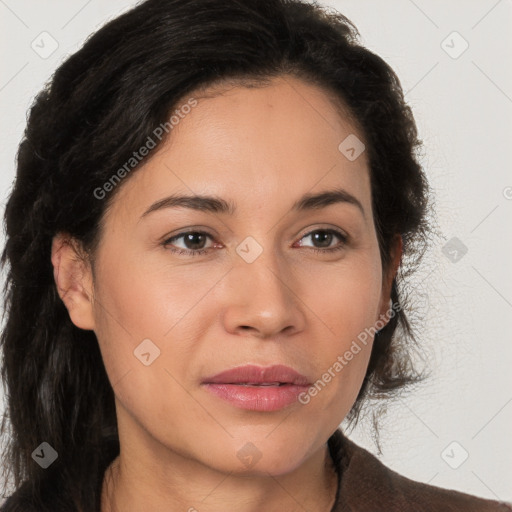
{"x": 193, "y": 239}
{"x": 326, "y": 236}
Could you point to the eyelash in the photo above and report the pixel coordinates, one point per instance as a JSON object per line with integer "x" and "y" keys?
{"x": 198, "y": 252}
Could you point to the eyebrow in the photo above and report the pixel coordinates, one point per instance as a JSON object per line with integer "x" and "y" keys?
{"x": 215, "y": 204}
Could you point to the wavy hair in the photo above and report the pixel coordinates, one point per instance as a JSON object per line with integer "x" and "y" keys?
{"x": 100, "y": 106}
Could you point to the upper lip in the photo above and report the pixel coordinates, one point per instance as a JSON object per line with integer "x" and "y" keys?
{"x": 252, "y": 374}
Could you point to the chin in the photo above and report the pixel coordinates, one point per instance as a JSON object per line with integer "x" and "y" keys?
{"x": 255, "y": 452}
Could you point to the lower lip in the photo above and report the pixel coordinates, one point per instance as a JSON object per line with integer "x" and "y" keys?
{"x": 257, "y": 398}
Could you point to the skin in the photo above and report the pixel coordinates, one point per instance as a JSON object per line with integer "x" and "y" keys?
{"x": 261, "y": 148}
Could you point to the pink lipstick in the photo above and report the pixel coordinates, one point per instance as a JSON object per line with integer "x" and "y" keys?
{"x": 258, "y": 388}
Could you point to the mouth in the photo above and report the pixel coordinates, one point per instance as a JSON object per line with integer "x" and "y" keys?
{"x": 257, "y": 388}
{"x": 252, "y": 375}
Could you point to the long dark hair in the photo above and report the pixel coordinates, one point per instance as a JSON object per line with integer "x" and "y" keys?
{"x": 99, "y": 107}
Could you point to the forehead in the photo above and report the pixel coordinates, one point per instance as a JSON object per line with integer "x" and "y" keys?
{"x": 257, "y": 145}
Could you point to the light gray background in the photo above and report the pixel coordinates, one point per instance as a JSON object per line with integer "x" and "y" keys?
{"x": 463, "y": 107}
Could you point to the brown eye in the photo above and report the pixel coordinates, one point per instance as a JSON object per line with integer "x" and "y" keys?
{"x": 323, "y": 239}
{"x": 194, "y": 242}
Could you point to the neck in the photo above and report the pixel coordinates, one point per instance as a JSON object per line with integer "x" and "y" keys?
{"x": 190, "y": 486}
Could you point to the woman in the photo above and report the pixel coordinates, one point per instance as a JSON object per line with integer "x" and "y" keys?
{"x": 212, "y": 207}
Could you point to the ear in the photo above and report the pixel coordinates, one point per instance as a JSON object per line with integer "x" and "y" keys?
{"x": 389, "y": 276}
{"x": 73, "y": 279}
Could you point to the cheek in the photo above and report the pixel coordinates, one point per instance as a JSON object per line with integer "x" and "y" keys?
{"x": 150, "y": 312}
{"x": 345, "y": 297}
{"x": 130, "y": 316}
{"x": 347, "y": 308}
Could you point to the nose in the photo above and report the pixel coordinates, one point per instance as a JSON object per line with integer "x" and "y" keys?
{"x": 264, "y": 299}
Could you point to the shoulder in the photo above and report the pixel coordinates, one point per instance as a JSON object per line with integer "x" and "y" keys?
{"x": 366, "y": 484}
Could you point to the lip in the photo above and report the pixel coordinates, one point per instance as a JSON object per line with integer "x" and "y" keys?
{"x": 251, "y": 373}
{"x": 244, "y": 387}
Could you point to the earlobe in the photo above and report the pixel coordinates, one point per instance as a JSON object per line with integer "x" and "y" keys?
{"x": 73, "y": 280}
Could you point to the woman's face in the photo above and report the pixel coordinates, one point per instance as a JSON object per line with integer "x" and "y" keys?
{"x": 252, "y": 290}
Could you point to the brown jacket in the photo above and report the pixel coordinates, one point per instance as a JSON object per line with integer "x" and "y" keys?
{"x": 367, "y": 485}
